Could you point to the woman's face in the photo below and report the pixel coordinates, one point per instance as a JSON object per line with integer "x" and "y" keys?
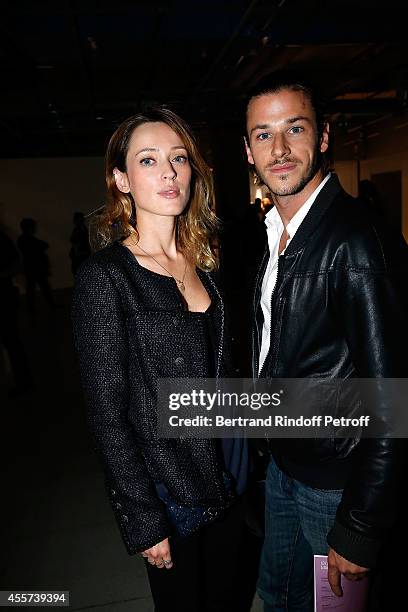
{"x": 158, "y": 171}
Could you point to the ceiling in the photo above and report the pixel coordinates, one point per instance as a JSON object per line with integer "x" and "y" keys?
{"x": 73, "y": 69}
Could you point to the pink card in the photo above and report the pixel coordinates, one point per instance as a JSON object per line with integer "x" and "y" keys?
{"x": 355, "y": 594}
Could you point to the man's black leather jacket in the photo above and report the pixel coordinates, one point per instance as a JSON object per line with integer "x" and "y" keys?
{"x": 339, "y": 310}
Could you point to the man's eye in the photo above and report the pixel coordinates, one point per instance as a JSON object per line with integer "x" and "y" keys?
{"x": 296, "y": 129}
{"x": 263, "y": 136}
{"x": 146, "y": 161}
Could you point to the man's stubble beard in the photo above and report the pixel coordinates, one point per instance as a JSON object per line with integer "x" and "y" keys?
{"x": 315, "y": 165}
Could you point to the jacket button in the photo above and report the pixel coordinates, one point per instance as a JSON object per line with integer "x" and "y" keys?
{"x": 118, "y": 506}
{"x": 179, "y": 362}
{"x": 125, "y": 518}
{"x": 209, "y": 514}
{"x": 113, "y": 492}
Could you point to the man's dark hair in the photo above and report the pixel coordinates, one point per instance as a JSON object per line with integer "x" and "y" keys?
{"x": 287, "y": 79}
{"x": 78, "y": 217}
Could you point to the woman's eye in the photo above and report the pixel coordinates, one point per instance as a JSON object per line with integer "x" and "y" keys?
{"x": 146, "y": 161}
{"x": 296, "y": 129}
{"x": 180, "y": 159}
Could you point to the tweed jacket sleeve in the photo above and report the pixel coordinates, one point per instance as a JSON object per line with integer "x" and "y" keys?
{"x": 100, "y": 340}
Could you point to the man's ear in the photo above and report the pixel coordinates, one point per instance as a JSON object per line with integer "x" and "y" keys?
{"x": 248, "y": 152}
{"x": 121, "y": 180}
{"x": 324, "y": 141}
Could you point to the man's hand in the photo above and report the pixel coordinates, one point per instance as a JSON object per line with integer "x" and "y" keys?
{"x": 339, "y": 565}
{"x": 159, "y": 555}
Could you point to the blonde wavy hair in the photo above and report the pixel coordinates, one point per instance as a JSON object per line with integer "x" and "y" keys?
{"x": 196, "y": 225}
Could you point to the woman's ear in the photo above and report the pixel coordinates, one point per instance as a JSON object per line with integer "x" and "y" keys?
{"x": 121, "y": 180}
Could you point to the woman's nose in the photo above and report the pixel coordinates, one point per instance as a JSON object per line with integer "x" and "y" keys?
{"x": 169, "y": 172}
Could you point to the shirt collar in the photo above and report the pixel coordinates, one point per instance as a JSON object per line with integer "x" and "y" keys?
{"x": 273, "y": 219}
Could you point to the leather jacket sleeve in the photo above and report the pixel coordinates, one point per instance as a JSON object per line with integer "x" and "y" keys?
{"x": 100, "y": 340}
{"x": 371, "y": 309}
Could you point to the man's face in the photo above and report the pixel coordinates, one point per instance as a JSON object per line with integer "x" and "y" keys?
{"x": 283, "y": 142}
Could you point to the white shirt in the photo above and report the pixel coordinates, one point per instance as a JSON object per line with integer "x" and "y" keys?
{"x": 274, "y": 229}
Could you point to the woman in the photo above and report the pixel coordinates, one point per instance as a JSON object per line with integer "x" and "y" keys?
{"x": 146, "y": 307}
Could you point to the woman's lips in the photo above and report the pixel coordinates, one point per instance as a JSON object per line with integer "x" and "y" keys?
{"x": 282, "y": 169}
{"x": 170, "y": 193}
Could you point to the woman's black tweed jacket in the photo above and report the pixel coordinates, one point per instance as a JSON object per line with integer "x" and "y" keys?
{"x": 131, "y": 327}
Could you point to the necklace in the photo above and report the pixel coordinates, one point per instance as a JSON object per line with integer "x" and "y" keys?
{"x": 180, "y": 283}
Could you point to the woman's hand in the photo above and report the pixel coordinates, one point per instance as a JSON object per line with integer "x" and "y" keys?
{"x": 159, "y": 555}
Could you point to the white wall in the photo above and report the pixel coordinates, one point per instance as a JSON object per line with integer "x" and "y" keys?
{"x": 347, "y": 173}
{"x": 50, "y": 191}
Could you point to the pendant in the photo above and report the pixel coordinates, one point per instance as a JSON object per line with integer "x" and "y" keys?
{"x": 181, "y": 286}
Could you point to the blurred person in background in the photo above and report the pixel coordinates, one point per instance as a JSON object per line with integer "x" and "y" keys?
{"x": 36, "y": 264}
{"x": 80, "y": 249}
{"x": 9, "y": 302}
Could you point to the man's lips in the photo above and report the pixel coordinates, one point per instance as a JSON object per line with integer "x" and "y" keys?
{"x": 170, "y": 193}
{"x": 281, "y": 168}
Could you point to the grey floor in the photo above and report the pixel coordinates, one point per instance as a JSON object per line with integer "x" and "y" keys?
{"x": 59, "y": 531}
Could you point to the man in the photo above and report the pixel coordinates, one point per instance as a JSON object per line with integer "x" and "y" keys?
{"x": 327, "y": 305}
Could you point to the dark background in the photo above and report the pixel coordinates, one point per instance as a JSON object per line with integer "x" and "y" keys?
{"x": 71, "y": 71}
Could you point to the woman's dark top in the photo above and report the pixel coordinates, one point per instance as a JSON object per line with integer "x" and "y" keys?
{"x": 131, "y": 327}
{"x": 234, "y": 450}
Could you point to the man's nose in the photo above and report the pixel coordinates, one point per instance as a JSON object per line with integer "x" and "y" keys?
{"x": 280, "y": 146}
